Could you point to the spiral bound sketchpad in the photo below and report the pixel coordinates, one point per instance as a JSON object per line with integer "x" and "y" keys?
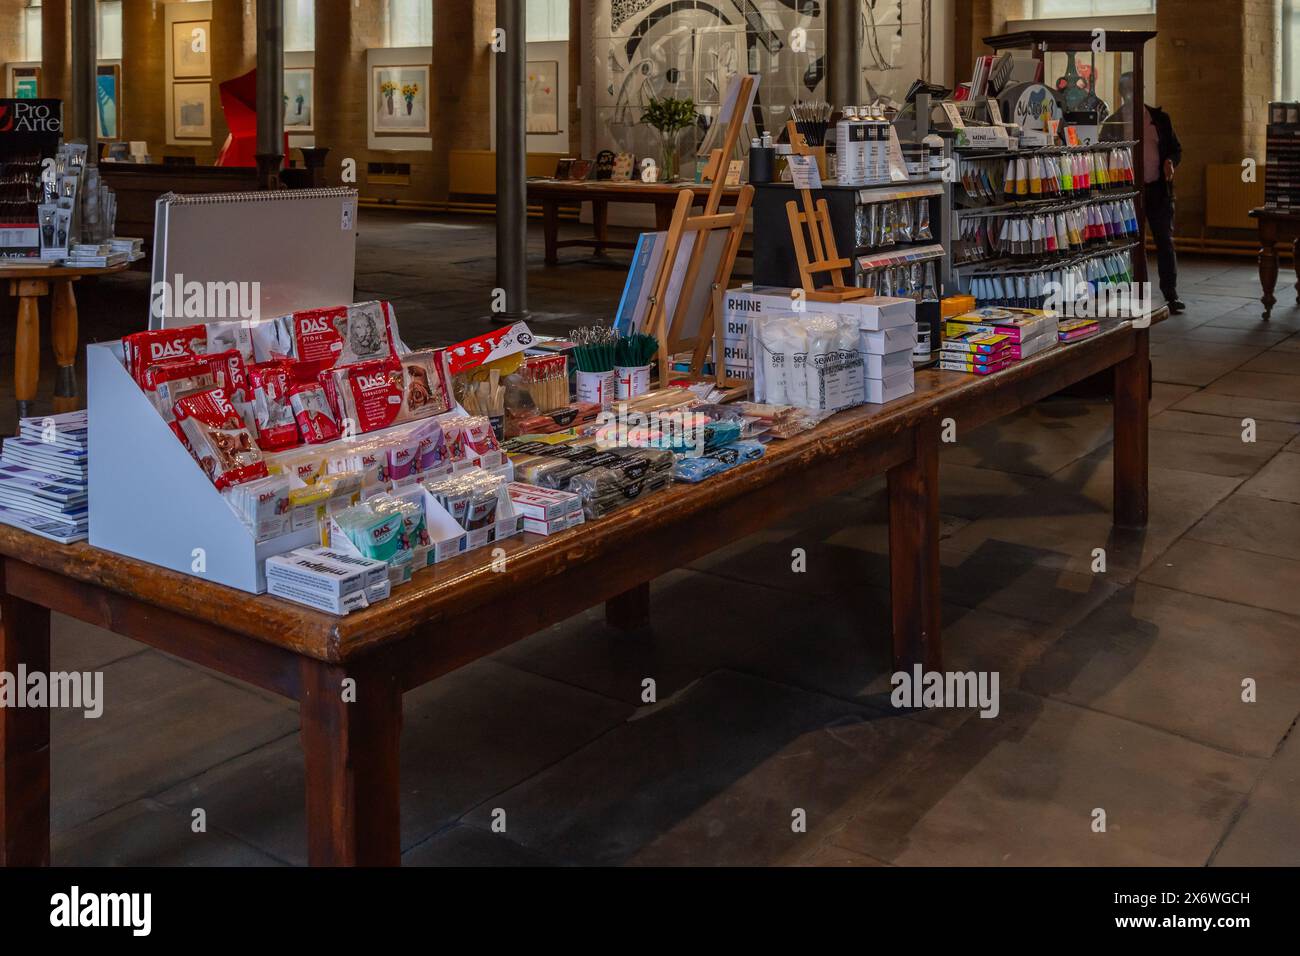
{"x": 299, "y": 244}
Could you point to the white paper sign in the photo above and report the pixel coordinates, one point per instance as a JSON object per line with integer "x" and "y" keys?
{"x": 995, "y": 111}
{"x": 804, "y": 171}
{"x": 897, "y": 163}
{"x": 953, "y": 114}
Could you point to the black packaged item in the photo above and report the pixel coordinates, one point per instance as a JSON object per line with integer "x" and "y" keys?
{"x": 639, "y": 461}
{"x": 604, "y": 490}
{"x": 558, "y": 479}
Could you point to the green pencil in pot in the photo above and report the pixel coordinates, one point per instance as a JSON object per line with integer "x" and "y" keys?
{"x": 633, "y": 356}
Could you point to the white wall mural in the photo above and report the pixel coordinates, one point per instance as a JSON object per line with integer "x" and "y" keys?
{"x": 646, "y": 48}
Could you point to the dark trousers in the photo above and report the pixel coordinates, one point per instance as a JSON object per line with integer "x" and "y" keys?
{"x": 1159, "y": 197}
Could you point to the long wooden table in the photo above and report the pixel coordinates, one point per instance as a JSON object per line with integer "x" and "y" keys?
{"x": 552, "y": 193}
{"x": 456, "y": 612}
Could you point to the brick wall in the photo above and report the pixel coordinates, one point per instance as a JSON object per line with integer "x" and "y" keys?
{"x": 1216, "y": 65}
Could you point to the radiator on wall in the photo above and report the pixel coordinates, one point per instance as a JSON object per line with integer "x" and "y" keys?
{"x": 1228, "y": 199}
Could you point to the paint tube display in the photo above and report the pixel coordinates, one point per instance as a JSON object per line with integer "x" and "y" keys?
{"x": 1029, "y": 289}
{"x": 1065, "y": 171}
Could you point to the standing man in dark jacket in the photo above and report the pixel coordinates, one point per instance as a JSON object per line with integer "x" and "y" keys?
{"x": 1161, "y": 157}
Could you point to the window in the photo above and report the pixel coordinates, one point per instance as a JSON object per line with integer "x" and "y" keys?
{"x": 32, "y": 31}
{"x": 1290, "y": 78}
{"x": 108, "y": 35}
{"x": 299, "y": 26}
{"x": 108, "y": 41}
{"x": 410, "y": 23}
{"x": 1046, "y": 9}
{"x": 547, "y": 20}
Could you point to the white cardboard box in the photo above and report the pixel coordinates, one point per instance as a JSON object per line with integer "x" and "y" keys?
{"x": 149, "y": 500}
{"x": 887, "y": 365}
{"x": 742, "y": 306}
{"x": 888, "y": 341}
{"x": 879, "y": 391}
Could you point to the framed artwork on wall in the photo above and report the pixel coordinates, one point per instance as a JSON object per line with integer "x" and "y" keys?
{"x": 542, "y": 92}
{"x": 191, "y": 110}
{"x": 400, "y": 99}
{"x": 191, "y": 56}
{"x": 108, "y": 96}
{"x": 299, "y": 99}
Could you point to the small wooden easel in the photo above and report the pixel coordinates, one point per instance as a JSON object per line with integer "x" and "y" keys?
{"x": 825, "y": 257}
{"x": 680, "y": 334}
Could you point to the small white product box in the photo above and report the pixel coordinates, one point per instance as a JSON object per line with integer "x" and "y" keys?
{"x": 544, "y": 527}
{"x": 310, "y": 570}
{"x": 543, "y": 504}
{"x": 888, "y": 341}
{"x": 882, "y": 390}
{"x": 887, "y": 365}
{"x": 878, "y": 312}
{"x": 331, "y": 604}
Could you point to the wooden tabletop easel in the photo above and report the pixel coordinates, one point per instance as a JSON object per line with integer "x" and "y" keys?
{"x": 825, "y": 257}
{"x": 681, "y": 332}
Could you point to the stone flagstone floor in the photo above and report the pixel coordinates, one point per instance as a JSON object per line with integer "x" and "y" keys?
{"x": 1120, "y": 690}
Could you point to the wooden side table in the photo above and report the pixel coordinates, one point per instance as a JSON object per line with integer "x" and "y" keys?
{"x": 29, "y": 285}
{"x": 1275, "y": 226}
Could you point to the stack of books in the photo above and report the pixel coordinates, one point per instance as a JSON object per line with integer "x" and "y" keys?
{"x": 1071, "y": 330}
{"x": 989, "y": 339}
{"x": 91, "y": 256}
{"x": 43, "y": 477}
{"x": 134, "y": 248}
{"x": 977, "y": 353}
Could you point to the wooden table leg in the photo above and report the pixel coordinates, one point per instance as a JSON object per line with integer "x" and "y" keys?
{"x": 1268, "y": 274}
{"x": 63, "y": 335}
{"x": 350, "y": 734}
{"x": 27, "y": 341}
{"x": 914, "y": 553}
{"x": 600, "y": 223}
{"x": 550, "y": 230}
{"x": 24, "y": 739}
{"x": 629, "y": 610}
{"x": 1132, "y": 398}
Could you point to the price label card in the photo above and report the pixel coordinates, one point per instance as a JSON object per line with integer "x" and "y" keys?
{"x": 953, "y": 114}
{"x": 995, "y": 112}
{"x": 804, "y": 172}
{"x": 897, "y": 164}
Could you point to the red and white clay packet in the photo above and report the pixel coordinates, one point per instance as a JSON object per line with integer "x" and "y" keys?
{"x": 328, "y": 338}
{"x": 215, "y": 433}
{"x": 383, "y": 392}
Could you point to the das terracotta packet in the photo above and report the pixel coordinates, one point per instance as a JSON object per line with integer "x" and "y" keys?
{"x": 218, "y": 438}
{"x": 390, "y": 391}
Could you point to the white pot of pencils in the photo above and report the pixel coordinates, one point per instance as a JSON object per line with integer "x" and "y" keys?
{"x": 632, "y": 380}
{"x": 632, "y": 357}
{"x": 598, "y": 388}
